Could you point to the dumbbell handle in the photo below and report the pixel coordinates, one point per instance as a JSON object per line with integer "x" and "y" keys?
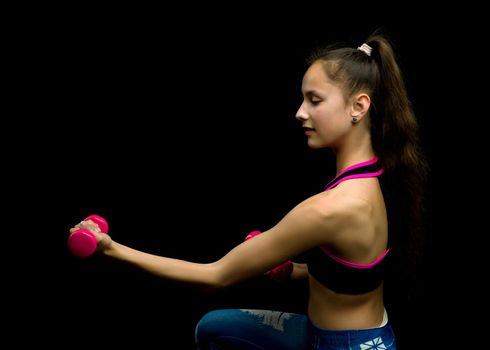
{"x": 82, "y": 242}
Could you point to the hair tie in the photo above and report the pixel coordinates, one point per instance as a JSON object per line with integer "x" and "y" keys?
{"x": 366, "y": 49}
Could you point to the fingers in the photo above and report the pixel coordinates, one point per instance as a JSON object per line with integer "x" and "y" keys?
{"x": 87, "y": 225}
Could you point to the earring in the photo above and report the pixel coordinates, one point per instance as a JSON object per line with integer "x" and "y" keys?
{"x": 354, "y": 120}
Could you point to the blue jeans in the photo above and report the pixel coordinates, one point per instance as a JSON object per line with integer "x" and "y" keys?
{"x": 240, "y": 329}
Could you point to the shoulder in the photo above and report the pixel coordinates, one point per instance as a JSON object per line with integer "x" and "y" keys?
{"x": 338, "y": 205}
{"x": 340, "y": 209}
{"x": 325, "y": 218}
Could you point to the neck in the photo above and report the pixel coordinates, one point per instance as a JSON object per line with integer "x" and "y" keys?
{"x": 353, "y": 153}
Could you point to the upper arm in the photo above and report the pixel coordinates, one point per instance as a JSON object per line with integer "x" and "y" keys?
{"x": 311, "y": 223}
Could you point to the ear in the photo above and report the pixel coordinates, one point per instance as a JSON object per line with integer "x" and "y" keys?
{"x": 360, "y": 105}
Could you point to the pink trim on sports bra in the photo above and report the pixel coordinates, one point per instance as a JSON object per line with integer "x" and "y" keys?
{"x": 357, "y": 176}
{"x": 355, "y": 265}
{"x": 338, "y": 178}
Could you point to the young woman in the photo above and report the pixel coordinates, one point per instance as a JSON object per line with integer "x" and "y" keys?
{"x": 342, "y": 239}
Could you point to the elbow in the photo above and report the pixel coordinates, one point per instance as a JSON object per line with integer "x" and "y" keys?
{"x": 219, "y": 279}
{"x": 209, "y": 280}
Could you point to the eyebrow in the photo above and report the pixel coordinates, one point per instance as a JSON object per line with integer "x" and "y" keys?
{"x": 309, "y": 92}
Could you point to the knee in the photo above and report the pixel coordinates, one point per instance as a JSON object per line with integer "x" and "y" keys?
{"x": 208, "y": 328}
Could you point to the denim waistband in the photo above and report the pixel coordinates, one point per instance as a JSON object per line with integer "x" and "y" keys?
{"x": 372, "y": 338}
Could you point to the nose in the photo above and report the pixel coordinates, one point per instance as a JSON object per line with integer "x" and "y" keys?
{"x": 301, "y": 114}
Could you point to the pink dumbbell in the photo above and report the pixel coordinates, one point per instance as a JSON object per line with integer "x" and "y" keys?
{"x": 281, "y": 272}
{"x": 82, "y": 242}
{"x": 252, "y": 234}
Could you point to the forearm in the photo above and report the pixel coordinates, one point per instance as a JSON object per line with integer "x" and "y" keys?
{"x": 199, "y": 275}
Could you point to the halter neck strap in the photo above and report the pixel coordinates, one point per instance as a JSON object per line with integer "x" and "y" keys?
{"x": 369, "y": 168}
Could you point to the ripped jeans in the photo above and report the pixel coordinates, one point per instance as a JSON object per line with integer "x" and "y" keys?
{"x": 241, "y": 329}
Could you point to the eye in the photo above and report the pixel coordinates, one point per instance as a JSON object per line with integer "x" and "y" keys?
{"x": 315, "y": 100}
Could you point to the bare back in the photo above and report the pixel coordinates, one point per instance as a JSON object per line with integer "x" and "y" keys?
{"x": 361, "y": 242}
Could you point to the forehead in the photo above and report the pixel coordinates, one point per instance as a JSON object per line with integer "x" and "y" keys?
{"x": 315, "y": 78}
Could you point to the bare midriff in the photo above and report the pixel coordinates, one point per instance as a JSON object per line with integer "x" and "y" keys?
{"x": 334, "y": 311}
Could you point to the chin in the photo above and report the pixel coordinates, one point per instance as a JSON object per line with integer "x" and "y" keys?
{"x": 315, "y": 145}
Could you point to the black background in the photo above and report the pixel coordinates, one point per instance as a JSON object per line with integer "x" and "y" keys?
{"x": 178, "y": 127}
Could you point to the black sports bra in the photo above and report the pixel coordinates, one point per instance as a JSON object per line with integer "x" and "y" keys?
{"x": 335, "y": 273}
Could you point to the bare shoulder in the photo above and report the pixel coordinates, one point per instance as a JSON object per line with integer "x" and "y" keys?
{"x": 342, "y": 208}
{"x": 357, "y": 212}
{"x": 323, "y": 219}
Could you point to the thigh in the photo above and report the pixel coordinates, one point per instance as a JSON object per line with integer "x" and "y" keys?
{"x": 251, "y": 329}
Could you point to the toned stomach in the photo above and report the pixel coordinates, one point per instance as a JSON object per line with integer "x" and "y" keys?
{"x": 330, "y": 310}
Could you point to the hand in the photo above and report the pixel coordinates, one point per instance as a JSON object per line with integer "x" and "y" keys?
{"x": 104, "y": 241}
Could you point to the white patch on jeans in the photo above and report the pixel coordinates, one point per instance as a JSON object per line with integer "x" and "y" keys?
{"x": 275, "y": 319}
{"x": 375, "y": 344}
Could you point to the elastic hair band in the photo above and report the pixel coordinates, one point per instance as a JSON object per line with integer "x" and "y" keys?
{"x": 366, "y": 49}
